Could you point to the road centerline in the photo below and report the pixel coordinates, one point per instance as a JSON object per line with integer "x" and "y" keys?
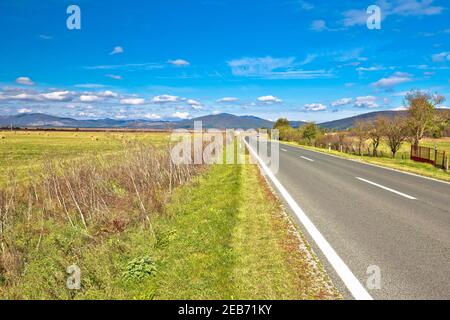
{"x": 308, "y": 159}
{"x": 387, "y": 189}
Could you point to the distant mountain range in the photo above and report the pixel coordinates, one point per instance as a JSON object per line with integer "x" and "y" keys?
{"x": 218, "y": 121}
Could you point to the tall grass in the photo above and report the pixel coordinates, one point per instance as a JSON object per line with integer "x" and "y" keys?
{"x": 96, "y": 196}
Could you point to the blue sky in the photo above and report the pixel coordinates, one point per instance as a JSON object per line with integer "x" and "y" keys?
{"x": 304, "y": 60}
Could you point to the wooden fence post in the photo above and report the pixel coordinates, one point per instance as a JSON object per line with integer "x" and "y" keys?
{"x": 446, "y": 157}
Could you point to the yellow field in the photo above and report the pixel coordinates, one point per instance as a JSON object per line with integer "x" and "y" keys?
{"x": 21, "y": 151}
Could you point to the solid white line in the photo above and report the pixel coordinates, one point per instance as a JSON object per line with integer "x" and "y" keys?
{"x": 307, "y": 158}
{"x": 388, "y": 189}
{"x": 344, "y": 272}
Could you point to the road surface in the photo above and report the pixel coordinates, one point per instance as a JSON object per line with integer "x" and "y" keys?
{"x": 373, "y": 216}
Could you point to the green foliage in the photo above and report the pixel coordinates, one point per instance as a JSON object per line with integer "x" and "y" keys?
{"x": 281, "y": 123}
{"x": 310, "y": 132}
{"x": 139, "y": 269}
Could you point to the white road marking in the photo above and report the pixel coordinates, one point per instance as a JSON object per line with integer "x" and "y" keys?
{"x": 311, "y": 160}
{"x": 351, "y": 282}
{"x": 388, "y": 189}
{"x": 284, "y": 150}
{"x": 370, "y": 164}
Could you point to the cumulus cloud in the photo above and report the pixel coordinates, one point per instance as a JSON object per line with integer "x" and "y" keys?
{"x": 179, "y": 62}
{"x": 390, "y": 82}
{"x": 58, "y": 96}
{"x": 165, "y": 98}
{"x": 227, "y": 100}
{"x": 152, "y": 116}
{"x": 193, "y": 102}
{"x": 89, "y": 98}
{"x": 24, "y": 110}
{"x": 315, "y": 107}
{"x": 269, "y": 99}
{"x": 116, "y": 50}
{"x": 24, "y": 81}
{"x": 181, "y": 115}
{"x": 342, "y": 102}
{"x": 366, "y": 102}
{"x": 132, "y": 101}
{"x": 108, "y": 94}
{"x": 441, "y": 57}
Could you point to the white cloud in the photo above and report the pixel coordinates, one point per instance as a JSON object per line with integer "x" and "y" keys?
{"x": 58, "y": 96}
{"x": 24, "y": 110}
{"x": 400, "y": 109}
{"x": 89, "y": 98}
{"x": 193, "y": 103}
{"x": 342, "y": 102}
{"x": 116, "y": 50}
{"x": 355, "y": 18}
{"x": 269, "y": 99}
{"x": 441, "y": 57}
{"x": 304, "y": 5}
{"x": 258, "y": 66}
{"x": 273, "y": 68}
{"x": 164, "y": 99}
{"x": 414, "y": 8}
{"x": 108, "y": 94}
{"x": 132, "y": 101}
{"x": 114, "y": 76}
{"x": 366, "y": 102}
{"x": 24, "y": 81}
{"x": 396, "y": 79}
{"x": 179, "y": 62}
{"x": 181, "y": 115}
{"x": 152, "y": 116}
{"x": 23, "y": 96}
{"x": 392, "y": 8}
{"x": 315, "y": 107}
{"x": 227, "y": 100}
{"x": 318, "y": 26}
{"x": 369, "y": 69}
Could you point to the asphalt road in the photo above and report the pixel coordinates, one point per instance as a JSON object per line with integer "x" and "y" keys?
{"x": 373, "y": 216}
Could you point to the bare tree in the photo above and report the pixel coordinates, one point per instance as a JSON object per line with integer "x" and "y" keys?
{"x": 422, "y": 117}
{"x": 396, "y": 131}
{"x": 376, "y": 131}
{"x": 360, "y": 131}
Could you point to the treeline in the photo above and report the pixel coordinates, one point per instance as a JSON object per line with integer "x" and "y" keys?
{"x": 421, "y": 120}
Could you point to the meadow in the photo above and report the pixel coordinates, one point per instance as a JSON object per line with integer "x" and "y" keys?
{"x": 22, "y": 151}
{"x": 139, "y": 227}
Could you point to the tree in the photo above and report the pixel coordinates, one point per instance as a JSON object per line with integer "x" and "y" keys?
{"x": 376, "y": 131}
{"x": 360, "y": 131}
{"x": 281, "y": 123}
{"x": 396, "y": 131}
{"x": 310, "y": 132}
{"x": 422, "y": 117}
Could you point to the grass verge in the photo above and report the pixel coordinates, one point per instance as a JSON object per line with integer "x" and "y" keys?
{"x": 222, "y": 236}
